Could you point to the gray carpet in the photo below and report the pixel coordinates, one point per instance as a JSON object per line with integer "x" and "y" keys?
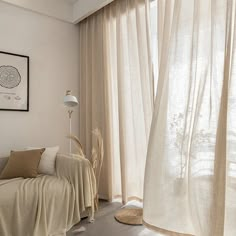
{"x": 106, "y": 225}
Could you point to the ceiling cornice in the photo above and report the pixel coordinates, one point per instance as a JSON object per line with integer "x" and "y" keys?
{"x": 71, "y": 11}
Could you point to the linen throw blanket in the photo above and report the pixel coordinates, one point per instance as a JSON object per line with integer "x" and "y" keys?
{"x": 47, "y": 205}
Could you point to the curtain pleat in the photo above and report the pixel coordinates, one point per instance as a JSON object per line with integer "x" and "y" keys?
{"x": 116, "y": 93}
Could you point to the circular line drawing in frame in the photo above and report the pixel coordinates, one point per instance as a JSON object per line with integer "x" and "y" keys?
{"x": 9, "y": 77}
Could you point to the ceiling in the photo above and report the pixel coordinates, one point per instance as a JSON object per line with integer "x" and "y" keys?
{"x": 60, "y": 9}
{"x": 72, "y": 11}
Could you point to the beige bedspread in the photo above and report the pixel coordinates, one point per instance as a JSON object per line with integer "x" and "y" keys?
{"x": 47, "y": 205}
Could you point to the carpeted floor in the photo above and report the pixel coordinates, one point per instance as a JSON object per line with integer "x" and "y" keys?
{"x": 106, "y": 225}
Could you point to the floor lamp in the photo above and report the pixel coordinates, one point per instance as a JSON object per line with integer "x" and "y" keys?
{"x": 70, "y": 101}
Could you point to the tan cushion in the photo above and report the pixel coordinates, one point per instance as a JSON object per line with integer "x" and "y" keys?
{"x": 3, "y": 162}
{"x": 22, "y": 164}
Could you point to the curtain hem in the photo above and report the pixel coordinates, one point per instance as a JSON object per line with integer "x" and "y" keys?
{"x": 129, "y": 198}
{"x": 164, "y": 231}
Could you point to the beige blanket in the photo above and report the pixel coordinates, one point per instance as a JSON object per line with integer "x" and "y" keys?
{"x": 47, "y": 205}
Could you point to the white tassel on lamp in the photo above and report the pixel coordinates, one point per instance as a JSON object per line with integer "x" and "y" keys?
{"x": 70, "y": 101}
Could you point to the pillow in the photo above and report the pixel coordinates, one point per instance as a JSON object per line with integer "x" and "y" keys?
{"x": 47, "y": 162}
{"x": 3, "y": 162}
{"x": 22, "y": 164}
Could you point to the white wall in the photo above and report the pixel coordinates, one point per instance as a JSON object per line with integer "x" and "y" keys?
{"x": 84, "y": 8}
{"x": 53, "y": 49}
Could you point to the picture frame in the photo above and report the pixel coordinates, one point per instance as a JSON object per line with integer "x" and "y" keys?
{"x": 14, "y": 82}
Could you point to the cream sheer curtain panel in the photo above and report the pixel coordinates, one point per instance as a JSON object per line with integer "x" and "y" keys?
{"x": 117, "y": 92}
{"x": 190, "y": 178}
{"x": 92, "y": 62}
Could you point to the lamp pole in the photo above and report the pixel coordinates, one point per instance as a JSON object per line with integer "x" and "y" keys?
{"x": 70, "y": 101}
{"x": 70, "y": 126}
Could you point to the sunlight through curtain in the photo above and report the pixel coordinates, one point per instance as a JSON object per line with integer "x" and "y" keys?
{"x": 116, "y": 93}
{"x": 190, "y": 179}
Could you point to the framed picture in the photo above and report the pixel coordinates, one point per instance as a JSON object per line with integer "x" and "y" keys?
{"x": 14, "y": 82}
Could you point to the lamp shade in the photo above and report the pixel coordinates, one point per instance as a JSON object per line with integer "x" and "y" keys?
{"x": 70, "y": 100}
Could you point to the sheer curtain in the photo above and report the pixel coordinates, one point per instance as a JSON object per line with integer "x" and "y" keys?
{"x": 117, "y": 93}
{"x": 190, "y": 178}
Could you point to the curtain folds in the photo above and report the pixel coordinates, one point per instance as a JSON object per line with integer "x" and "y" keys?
{"x": 190, "y": 173}
{"x": 116, "y": 93}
